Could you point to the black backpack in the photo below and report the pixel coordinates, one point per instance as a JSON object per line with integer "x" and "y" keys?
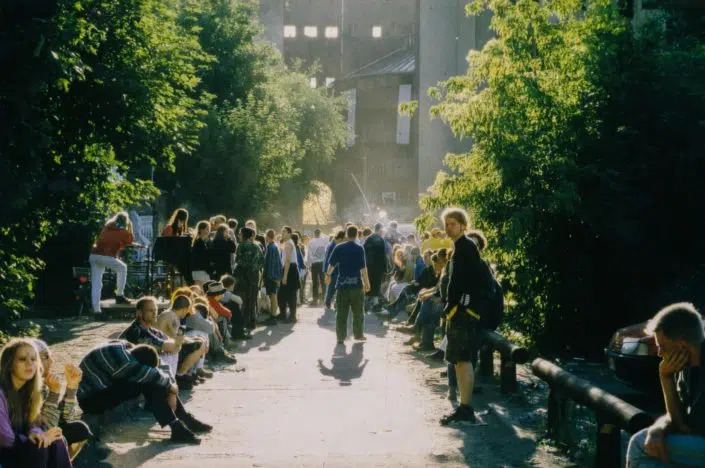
{"x": 492, "y": 314}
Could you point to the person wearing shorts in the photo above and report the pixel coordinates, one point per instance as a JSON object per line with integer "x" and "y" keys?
{"x": 462, "y": 317}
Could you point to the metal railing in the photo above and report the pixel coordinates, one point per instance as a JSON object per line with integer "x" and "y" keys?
{"x": 510, "y": 355}
{"x": 613, "y": 414}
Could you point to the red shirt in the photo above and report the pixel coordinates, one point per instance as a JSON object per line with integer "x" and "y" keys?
{"x": 111, "y": 241}
{"x": 219, "y": 308}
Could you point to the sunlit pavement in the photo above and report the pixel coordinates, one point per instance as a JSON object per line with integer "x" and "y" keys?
{"x": 303, "y": 401}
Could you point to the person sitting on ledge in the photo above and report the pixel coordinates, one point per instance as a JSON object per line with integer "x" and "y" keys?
{"x": 120, "y": 371}
{"x": 169, "y": 322}
{"x": 678, "y": 437}
{"x": 62, "y": 412}
{"x": 115, "y": 236}
{"x": 179, "y": 354}
{"x": 23, "y": 443}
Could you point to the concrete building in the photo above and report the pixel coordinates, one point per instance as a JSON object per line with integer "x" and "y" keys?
{"x": 382, "y": 53}
{"x": 446, "y": 36}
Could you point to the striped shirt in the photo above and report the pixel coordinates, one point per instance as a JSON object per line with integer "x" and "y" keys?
{"x": 112, "y": 362}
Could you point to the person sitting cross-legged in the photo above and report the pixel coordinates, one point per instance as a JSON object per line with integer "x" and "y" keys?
{"x": 142, "y": 331}
{"x": 120, "y": 371}
{"x": 678, "y": 437}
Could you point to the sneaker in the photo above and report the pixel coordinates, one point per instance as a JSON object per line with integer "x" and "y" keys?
{"x": 340, "y": 342}
{"x": 361, "y": 338}
{"x": 453, "y": 394}
{"x": 461, "y": 414}
{"x": 204, "y": 373}
{"x": 181, "y": 434}
{"x": 195, "y": 425}
{"x": 122, "y": 300}
{"x": 436, "y": 355}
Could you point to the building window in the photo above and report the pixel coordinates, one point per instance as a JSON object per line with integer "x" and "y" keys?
{"x": 331, "y": 32}
{"x": 311, "y": 31}
{"x": 313, "y": 82}
{"x": 376, "y": 31}
{"x": 329, "y": 80}
{"x": 289, "y": 31}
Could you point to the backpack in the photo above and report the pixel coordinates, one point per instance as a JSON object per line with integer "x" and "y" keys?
{"x": 492, "y": 313}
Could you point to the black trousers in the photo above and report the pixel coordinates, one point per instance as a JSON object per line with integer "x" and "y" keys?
{"x": 317, "y": 283}
{"x": 286, "y": 296}
{"x": 237, "y": 323}
{"x": 121, "y": 391}
{"x": 248, "y": 292}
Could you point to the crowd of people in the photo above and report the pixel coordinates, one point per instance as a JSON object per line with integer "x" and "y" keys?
{"x": 239, "y": 280}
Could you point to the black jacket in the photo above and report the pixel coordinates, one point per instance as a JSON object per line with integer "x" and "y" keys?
{"x": 200, "y": 256}
{"x": 220, "y": 252}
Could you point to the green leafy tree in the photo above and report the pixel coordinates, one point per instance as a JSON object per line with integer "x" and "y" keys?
{"x": 585, "y": 165}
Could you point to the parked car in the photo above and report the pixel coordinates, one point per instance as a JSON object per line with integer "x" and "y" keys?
{"x": 633, "y": 357}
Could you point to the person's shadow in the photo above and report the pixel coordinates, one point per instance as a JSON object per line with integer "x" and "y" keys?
{"x": 345, "y": 367}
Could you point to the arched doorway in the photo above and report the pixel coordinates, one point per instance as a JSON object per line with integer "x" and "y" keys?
{"x": 319, "y": 207}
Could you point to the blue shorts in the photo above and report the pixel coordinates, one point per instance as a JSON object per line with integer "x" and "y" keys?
{"x": 271, "y": 286}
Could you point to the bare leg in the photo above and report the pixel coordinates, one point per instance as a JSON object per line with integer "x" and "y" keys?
{"x": 192, "y": 359}
{"x": 273, "y": 309}
{"x": 466, "y": 381}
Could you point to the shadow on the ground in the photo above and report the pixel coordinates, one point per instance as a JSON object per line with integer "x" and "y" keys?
{"x": 266, "y": 337}
{"x": 345, "y": 367}
{"x": 373, "y": 326}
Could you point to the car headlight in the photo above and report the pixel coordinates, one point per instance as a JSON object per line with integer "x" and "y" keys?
{"x": 634, "y": 347}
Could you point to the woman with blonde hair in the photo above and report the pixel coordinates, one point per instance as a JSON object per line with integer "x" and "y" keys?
{"x": 23, "y": 443}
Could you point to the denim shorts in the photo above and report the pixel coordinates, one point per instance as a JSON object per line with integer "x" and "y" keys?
{"x": 271, "y": 286}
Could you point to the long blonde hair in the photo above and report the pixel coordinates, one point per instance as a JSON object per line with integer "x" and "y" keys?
{"x": 24, "y": 404}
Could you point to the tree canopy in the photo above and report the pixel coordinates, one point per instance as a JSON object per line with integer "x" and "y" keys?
{"x": 585, "y": 166}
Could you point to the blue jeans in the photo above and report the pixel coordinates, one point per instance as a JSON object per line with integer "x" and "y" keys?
{"x": 428, "y": 319}
{"x": 683, "y": 450}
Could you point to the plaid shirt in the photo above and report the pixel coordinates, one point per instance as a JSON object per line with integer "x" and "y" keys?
{"x": 112, "y": 362}
{"x": 137, "y": 333}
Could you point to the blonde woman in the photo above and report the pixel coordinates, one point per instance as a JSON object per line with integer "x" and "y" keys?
{"x": 23, "y": 443}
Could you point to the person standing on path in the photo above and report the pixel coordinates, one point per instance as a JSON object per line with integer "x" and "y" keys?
{"x": 250, "y": 261}
{"x": 115, "y": 236}
{"x": 465, "y": 282}
{"x": 286, "y": 297}
{"x": 316, "y": 255}
{"x": 272, "y": 272}
{"x": 376, "y": 259}
{"x": 330, "y": 284}
{"x": 348, "y": 259}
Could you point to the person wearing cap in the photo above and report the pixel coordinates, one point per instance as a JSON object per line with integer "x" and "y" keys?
{"x": 64, "y": 412}
{"x": 215, "y": 290}
{"x": 376, "y": 259}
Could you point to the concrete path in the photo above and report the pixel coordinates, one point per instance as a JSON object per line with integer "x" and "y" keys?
{"x": 296, "y": 399}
